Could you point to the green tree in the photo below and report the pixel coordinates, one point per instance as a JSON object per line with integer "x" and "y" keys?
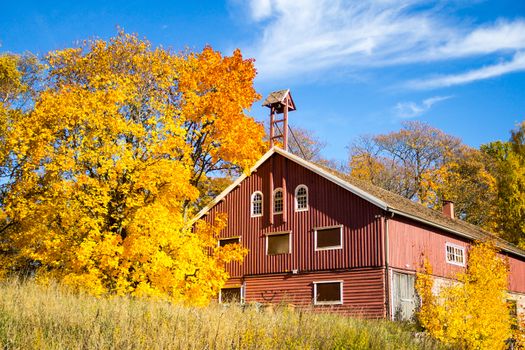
{"x": 509, "y": 171}
{"x": 467, "y": 179}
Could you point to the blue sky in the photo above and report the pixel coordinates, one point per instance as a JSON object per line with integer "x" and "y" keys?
{"x": 354, "y": 67}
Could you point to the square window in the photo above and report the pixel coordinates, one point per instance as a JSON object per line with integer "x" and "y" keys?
{"x": 230, "y": 295}
{"x": 455, "y": 254}
{"x": 328, "y": 238}
{"x": 328, "y": 293}
{"x": 225, "y": 241}
{"x": 278, "y": 244}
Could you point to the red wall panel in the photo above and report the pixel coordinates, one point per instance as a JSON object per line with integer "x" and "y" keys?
{"x": 363, "y": 291}
{"x": 516, "y": 275}
{"x": 328, "y": 205}
{"x": 410, "y": 242}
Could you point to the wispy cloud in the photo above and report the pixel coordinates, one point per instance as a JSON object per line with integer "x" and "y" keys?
{"x": 301, "y": 37}
{"x": 413, "y": 109}
{"x": 516, "y": 64}
{"x": 498, "y": 37}
{"x": 307, "y": 35}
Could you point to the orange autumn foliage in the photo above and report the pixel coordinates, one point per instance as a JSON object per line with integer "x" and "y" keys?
{"x": 110, "y": 159}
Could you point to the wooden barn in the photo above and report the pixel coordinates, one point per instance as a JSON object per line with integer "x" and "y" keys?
{"x": 321, "y": 239}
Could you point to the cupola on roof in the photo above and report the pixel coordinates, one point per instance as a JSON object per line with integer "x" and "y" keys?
{"x": 278, "y": 99}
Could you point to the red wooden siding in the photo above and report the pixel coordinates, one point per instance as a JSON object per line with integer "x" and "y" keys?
{"x": 234, "y": 282}
{"x": 516, "y": 275}
{"x": 359, "y": 263}
{"x": 328, "y": 205}
{"x": 410, "y": 242}
{"x": 362, "y": 291}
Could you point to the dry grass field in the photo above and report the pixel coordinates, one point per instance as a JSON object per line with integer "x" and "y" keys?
{"x": 38, "y": 317}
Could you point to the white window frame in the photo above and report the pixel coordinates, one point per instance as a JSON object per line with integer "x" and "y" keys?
{"x": 227, "y": 238}
{"x": 340, "y": 302}
{"x": 307, "y": 198}
{"x": 455, "y": 246}
{"x": 340, "y": 246}
{"x": 252, "y": 205}
{"x": 273, "y": 200}
{"x": 289, "y": 233}
{"x": 242, "y": 288}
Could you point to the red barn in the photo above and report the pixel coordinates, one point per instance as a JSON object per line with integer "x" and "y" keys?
{"x": 323, "y": 239}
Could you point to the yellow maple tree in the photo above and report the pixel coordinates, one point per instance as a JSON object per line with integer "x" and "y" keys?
{"x": 110, "y": 158}
{"x": 471, "y": 313}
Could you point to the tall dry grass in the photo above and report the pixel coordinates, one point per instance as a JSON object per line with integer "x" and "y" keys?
{"x": 38, "y": 317}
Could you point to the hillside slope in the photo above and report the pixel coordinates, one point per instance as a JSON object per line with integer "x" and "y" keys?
{"x": 37, "y": 317}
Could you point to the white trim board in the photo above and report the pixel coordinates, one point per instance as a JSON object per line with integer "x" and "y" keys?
{"x": 319, "y": 171}
{"x": 230, "y": 188}
{"x": 334, "y": 302}
{"x": 304, "y": 163}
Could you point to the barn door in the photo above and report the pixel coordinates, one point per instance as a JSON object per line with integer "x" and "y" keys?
{"x": 404, "y": 296}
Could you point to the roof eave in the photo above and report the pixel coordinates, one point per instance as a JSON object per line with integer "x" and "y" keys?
{"x": 516, "y": 251}
{"x": 357, "y": 191}
{"x": 374, "y": 200}
{"x": 230, "y": 188}
{"x": 286, "y": 92}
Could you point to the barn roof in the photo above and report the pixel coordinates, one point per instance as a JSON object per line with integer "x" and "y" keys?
{"x": 275, "y": 97}
{"x": 402, "y": 206}
{"x": 384, "y": 199}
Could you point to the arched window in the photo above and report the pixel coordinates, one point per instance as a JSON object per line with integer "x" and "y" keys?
{"x": 301, "y": 198}
{"x": 278, "y": 201}
{"x": 257, "y": 204}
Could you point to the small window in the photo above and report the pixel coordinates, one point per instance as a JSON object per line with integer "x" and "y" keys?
{"x": 278, "y": 244}
{"x": 257, "y": 204}
{"x": 301, "y": 198}
{"x": 455, "y": 254}
{"x": 329, "y": 238}
{"x": 278, "y": 201}
{"x": 230, "y": 295}
{"x": 225, "y": 241}
{"x": 328, "y": 293}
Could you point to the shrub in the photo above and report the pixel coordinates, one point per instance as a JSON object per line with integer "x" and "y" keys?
{"x": 472, "y": 313}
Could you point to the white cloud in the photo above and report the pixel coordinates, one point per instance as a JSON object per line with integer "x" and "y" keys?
{"x": 516, "y": 64}
{"x": 412, "y": 109}
{"x": 314, "y": 34}
{"x": 310, "y": 36}
{"x": 260, "y": 9}
{"x": 501, "y": 36}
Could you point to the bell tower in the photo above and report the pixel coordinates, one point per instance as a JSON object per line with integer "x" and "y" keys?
{"x": 280, "y": 103}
